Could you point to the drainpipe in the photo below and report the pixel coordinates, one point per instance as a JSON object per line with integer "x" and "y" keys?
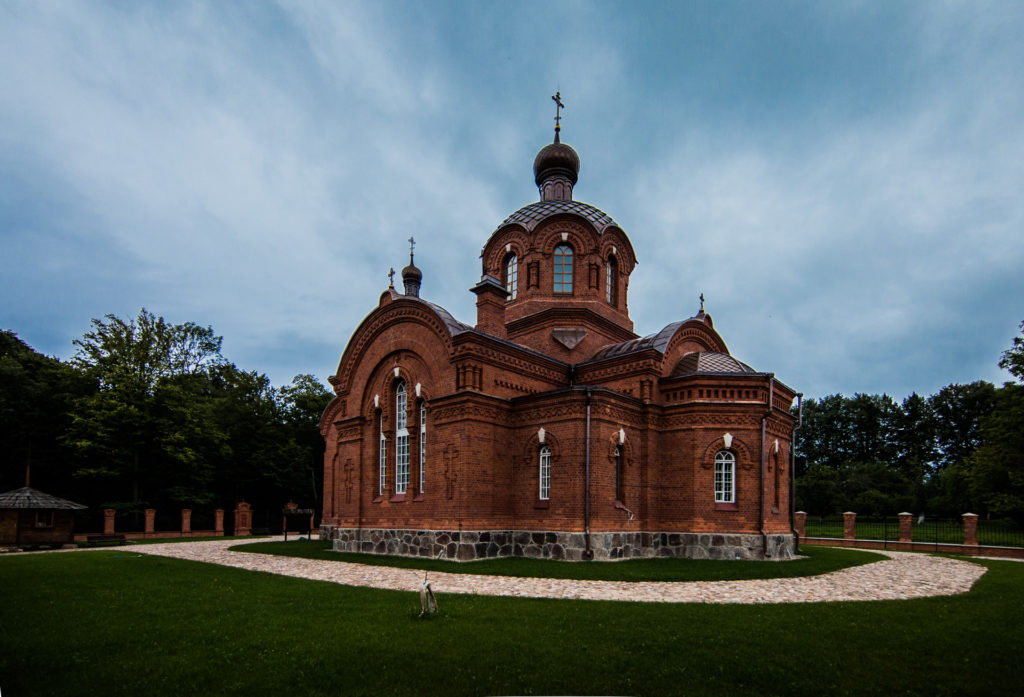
{"x": 764, "y": 462}
{"x": 588, "y": 553}
{"x": 792, "y": 471}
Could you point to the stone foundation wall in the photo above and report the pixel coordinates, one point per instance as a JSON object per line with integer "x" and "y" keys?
{"x": 490, "y": 544}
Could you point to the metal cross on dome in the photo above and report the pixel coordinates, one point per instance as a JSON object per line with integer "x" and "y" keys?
{"x": 391, "y": 277}
{"x": 557, "y": 96}
{"x": 412, "y": 246}
{"x": 702, "y": 302}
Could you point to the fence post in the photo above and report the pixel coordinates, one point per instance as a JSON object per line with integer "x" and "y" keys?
{"x": 906, "y": 527}
{"x": 218, "y": 521}
{"x": 849, "y": 525}
{"x": 971, "y": 529}
{"x": 243, "y": 519}
{"x": 800, "y": 523}
{"x": 108, "y": 521}
{"x": 150, "y": 521}
{"x": 186, "y": 521}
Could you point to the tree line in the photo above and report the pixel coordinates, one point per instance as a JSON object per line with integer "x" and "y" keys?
{"x": 959, "y": 450}
{"x": 149, "y": 414}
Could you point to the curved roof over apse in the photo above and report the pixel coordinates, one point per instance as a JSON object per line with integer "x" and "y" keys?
{"x": 534, "y": 214}
{"x": 709, "y": 362}
{"x": 27, "y": 497}
{"x": 658, "y": 341}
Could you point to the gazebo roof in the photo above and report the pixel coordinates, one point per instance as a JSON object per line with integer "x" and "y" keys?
{"x": 27, "y": 497}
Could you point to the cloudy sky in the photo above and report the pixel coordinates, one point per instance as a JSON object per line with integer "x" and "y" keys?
{"x": 843, "y": 180}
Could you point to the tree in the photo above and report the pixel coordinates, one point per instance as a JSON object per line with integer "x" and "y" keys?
{"x": 959, "y": 411}
{"x": 1013, "y": 357}
{"x": 124, "y": 430}
{"x": 36, "y": 393}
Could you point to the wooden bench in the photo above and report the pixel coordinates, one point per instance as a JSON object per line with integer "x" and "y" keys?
{"x": 106, "y": 539}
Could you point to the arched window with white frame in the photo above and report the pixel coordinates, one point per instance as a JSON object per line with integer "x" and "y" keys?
{"x": 382, "y": 455}
{"x": 401, "y": 440}
{"x": 611, "y": 276}
{"x": 423, "y": 444}
{"x": 545, "y": 473}
{"x": 511, "y": 277}
{"x": 725, "y": 477}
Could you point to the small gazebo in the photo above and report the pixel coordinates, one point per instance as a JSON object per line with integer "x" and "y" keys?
{"x": 28, "y": 517}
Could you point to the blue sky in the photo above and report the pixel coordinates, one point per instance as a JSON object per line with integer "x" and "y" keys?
{"x": 841, "y": 180}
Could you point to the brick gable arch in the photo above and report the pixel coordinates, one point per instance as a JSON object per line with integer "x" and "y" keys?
{"x": 615, "y": 243}
{"x": 691, "y": 335}
{"x": 745, "y": 457}
{"x": 396, "y": 312}
{"x": 512, "y": 240}
{"x": 411, "y": 369}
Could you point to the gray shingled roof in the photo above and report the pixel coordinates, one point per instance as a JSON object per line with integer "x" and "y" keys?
{"x": 532, "y": 215}
{"x": 710, "y": 362}
{"x": 27, "y": 497}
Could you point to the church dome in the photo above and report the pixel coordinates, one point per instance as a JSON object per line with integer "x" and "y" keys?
{"x": 556, "y": 159}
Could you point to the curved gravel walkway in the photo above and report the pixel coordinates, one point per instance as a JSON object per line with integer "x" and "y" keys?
{"x": 904, "y": 575}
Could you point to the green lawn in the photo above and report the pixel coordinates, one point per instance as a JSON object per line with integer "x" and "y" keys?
{"x": 122, "y": 623}
{"x": 819, "y": 560}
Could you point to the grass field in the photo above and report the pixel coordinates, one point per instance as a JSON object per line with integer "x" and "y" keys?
{"x": 122, "y": 623}
{"x": 819, "y": 560}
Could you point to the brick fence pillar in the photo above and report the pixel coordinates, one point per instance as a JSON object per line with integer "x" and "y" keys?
{"x": 243, "y": 519}
{"x": 906, "y": 527}
{"x": 108, "y": 521}
{"x": 971, "y": 529}
{"x": 218, "y": 521}
{"x": 849, "y": 525}
{"x": 800, "y": 523}
{"x": 150, "y": 521}
{"x": 186, "y": 521}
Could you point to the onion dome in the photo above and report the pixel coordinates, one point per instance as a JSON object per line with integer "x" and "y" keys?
{"x": 411, "y": 277}
{"x": 556, "y": 169}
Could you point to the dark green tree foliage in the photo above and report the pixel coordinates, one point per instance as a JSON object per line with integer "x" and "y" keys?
{"x": 868, "y": 454}
{"x": 960, "y": 450}
{"x": 150, "y": 414}
{"x": 35, "y": 394}
{"x": 140, "y": 425}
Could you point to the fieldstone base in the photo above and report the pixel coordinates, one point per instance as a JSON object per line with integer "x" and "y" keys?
{"x": 490, "y": 544}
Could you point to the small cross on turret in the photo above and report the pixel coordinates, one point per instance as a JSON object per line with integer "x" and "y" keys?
{"x": 391, "y": 278}
{"x": 557, "y": 96}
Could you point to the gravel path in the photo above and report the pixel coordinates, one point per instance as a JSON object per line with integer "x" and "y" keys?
{"x": 904, "y": 575}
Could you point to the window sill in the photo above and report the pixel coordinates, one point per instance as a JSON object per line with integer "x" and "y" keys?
{"x": 378, "y": 499}
{"x": 726, "y": 507}
{"x": 418, "y": 497}
{"x": 543, "y": 503}
{"x": 397, "y": 498}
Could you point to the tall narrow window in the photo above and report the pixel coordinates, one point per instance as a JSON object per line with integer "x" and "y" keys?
{"x": 545, "y": 472}
{"x": 563, "y": 269}
{"x": 382, "y": 457}
{"x": 423, "y": 444}
{"x": 511, "y": 276}
{"x": 610, "y": 279}
{"x": 401, "y": 441}
{"x": 618, "y": 473}
{"x": 725, "y": 477}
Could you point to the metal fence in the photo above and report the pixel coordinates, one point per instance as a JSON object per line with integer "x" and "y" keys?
{"x": 928, "y": 530}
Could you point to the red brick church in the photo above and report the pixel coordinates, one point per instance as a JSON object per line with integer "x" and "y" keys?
{"x": 548, "y": 428}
